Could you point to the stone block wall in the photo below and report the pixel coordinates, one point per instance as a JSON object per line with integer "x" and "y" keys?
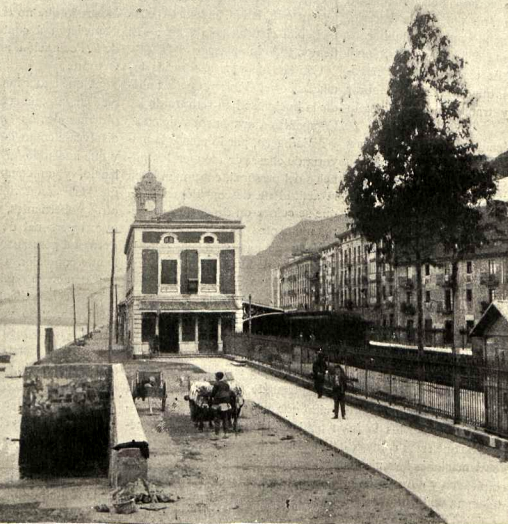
{"x": 65, "y": 420}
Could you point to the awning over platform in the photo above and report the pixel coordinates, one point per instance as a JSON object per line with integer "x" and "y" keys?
{"x": 185, "y": 306}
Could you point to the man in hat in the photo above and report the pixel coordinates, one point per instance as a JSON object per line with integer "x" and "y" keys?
{"x": 339, "y": 385}
{"x": 220, "y": 400}
{"x": 319, "y": 369}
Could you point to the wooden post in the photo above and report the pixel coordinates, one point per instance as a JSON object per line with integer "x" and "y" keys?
{"x": 74, "y": 310}
{"x": 111, "y": 288}
{"x": 38, "y": 302}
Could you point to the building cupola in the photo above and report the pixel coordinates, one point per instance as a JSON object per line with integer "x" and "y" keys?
{"x": 149, "y": 195}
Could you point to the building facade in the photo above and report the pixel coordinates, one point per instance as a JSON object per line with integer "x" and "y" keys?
{"x": 354, "y": 276}
{"x": 299, "y": 283}
{"x": 183, "y": 282}
{"x": 328, "y": 277}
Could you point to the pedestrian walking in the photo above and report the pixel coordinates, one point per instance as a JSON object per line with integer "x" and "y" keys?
{"x": 319, "y": 370}
{"x": 339, "y": 386}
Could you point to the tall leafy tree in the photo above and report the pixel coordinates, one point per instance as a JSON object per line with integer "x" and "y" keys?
{"x": 418, "y": 179}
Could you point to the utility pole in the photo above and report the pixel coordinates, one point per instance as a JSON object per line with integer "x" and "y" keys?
{"x": 250, "y": 315}
{"x": 88, "y": 318}
{"x": 94, "y": 316}
{"x": 116, "y": 313}
{"x": 111, "y": 298}
{"x": 38, "y": 302}
{"x": 74, "y": 309}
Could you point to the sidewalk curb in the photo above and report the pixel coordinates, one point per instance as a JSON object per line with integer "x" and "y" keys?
{"x": 416, "y": 420}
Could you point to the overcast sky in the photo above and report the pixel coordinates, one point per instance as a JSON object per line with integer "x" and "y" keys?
{"x": 250, "y": 109}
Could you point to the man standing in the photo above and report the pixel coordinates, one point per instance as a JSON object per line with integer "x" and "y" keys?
{"x": 319, "y": 369}
{"x": 220, "y": 399}
{"x": 339, "y": 385}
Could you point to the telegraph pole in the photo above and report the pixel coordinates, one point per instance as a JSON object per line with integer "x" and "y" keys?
{"x": 88, "y": 318}
{"x": 250, "y": 315}
{"x": 111, "y": 298}
{"x": 74, "y": 310}
{"x": 38, "y": 302}
{"x": 94, "y": 316}
{"x": 116, "y": 313}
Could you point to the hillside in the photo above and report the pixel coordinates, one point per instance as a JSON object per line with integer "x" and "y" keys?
{"x": 306, "y": 235}
{"x": 500, "y": 164}
{"x": 56, "y": 306}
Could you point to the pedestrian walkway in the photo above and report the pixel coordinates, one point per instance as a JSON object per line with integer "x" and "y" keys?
{"x": 463, "y": 485}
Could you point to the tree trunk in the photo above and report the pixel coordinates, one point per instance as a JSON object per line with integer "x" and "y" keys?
{"x": 419, "y": 334}
{"x": 419, "y": 305}
{"x": 456, "y": 370}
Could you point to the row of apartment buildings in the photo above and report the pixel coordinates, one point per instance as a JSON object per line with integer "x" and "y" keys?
{"x": 350, "y": 274}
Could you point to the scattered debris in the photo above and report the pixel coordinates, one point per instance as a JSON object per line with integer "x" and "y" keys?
{"x": 102, "y": 508}
{"x": 288, "y": 437}
{"x": 144, "y": 492}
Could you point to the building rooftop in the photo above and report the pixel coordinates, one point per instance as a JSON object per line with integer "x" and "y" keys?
{"x": 190, "y": 214}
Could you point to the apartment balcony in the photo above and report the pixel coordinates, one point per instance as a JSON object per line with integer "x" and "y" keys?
{"x": 406, "y": 283}
{"x": 407, "y": 309}
{"x": 488, "y": 279}
{"x": 444, "y": 280}
{"x": 444, "y": 308}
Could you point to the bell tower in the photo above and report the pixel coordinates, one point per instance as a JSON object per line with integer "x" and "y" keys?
{"x": 149, "y": 195}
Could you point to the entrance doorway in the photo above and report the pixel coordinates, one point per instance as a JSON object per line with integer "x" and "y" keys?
{"x": 208, "y": 333}
{"x": 168, "y": 333}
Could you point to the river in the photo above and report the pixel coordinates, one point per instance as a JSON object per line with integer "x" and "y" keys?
{"x": 21, "y": 341}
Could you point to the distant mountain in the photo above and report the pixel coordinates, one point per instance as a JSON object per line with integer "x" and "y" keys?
{"x": 500, "y": 164}
{"x": 305, "y": 236}
{"x": 57, "y": 308}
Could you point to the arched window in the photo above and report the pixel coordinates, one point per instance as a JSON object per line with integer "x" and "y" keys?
{"x": 169, "y": 239}
{"x": 209, "y": 239}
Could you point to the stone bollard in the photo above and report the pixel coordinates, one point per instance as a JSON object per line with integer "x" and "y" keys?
{"x": 49, "y": 341}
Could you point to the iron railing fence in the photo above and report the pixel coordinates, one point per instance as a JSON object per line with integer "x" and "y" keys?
{"x": 461, "y": 389}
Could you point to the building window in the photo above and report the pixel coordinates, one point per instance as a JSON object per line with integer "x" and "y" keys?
{"x": 188, "y": 328}
{"x": 469, "y": 295}
{"x": 427, "y": 270}
{"x": 448, "y": 300}
{"x": 148, "y": 323}
{"x": 169, "y": 240}
{"x": 169, "y": 272}
{"x": 469, "y": 327}
{"x": 209, "y": 240}
{"x": 427, "y": 296}
{"x": 208, "y": 271}
{"x": 493, "y": 267}
{"x": 469, "y": 267}
{"x": 409, "y": 297}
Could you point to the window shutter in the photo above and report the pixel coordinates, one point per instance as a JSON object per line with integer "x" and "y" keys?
{"x": 227, "y": 272}
{"x": 169, "y": 272}
{"x": 150, "y": 272}
{"x": 189, "y": 270}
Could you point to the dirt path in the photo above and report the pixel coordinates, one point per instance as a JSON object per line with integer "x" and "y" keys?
{"x": 268, "y": 472}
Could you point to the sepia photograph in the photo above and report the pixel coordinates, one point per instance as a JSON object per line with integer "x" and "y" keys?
{"x": 254, "y": 261}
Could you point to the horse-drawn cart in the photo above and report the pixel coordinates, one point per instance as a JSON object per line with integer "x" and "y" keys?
{"x": 149, "y": 384}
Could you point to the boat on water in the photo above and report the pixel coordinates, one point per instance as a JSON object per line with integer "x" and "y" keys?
{"x": 5, "y": 358}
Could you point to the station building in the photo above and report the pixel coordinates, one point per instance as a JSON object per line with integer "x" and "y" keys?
{"x": 183, "y": 276}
